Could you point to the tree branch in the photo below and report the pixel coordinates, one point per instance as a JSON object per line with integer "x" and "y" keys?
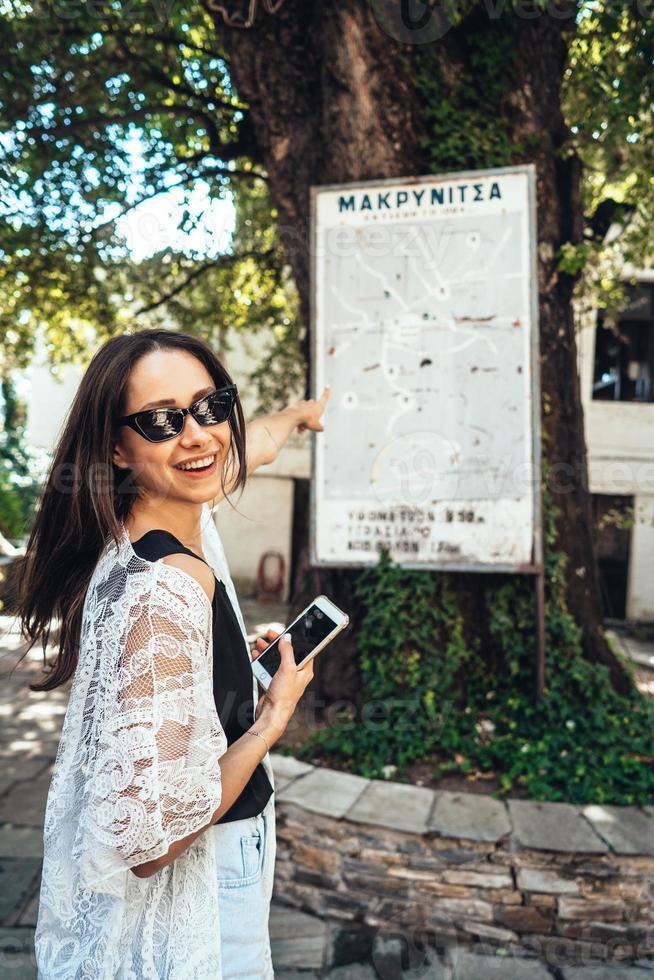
{"x": 103, "y": 121}
{"x": 172, "y": 39}
{"x": 185, "y": 179}
{"x": 223, "y": 260}
{"x": 238, "y": 20}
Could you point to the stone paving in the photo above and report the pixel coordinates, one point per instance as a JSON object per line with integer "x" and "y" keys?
{"x": 305, "y": 947}
{"x": 640, "y": 652}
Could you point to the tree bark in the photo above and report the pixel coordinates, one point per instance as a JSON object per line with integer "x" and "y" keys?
{"x": 334, "y": 99}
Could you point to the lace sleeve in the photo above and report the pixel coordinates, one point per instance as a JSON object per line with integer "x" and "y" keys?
{"x": 156, "y": 776}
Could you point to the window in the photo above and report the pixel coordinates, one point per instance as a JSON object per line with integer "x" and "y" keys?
{"x": 624, "y": 356}
{"x": 612, "y": 520}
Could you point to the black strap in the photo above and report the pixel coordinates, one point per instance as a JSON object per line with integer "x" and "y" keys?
{"x": 157, "y": 543}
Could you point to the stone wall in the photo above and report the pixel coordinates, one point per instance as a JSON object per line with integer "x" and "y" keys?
{"x": 562, "y": 881}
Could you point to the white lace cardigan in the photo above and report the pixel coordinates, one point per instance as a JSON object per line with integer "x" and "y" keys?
{"x": 137, "y": 769}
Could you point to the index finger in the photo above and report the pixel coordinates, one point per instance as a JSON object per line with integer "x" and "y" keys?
{"x": 326, "y": 392}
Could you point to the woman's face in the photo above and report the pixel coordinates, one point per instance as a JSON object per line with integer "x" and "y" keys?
{"x": 175, "y": 379}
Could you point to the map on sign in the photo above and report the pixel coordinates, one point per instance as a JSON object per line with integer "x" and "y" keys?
{"x": 424, "y": 329}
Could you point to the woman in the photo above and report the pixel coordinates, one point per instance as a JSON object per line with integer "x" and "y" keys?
{"x": 159, "y": 830}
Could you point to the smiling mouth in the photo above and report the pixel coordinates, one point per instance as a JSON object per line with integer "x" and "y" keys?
{"x": 202, "y": 466}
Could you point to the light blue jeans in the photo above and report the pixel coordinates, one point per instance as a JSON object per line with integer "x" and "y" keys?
{"x": 245, "y": 858}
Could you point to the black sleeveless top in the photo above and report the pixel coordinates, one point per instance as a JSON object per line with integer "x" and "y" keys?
{"x": 232, "y": 673}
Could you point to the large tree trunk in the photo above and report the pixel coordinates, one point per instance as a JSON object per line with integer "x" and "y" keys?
{"x": 332, "y": 99}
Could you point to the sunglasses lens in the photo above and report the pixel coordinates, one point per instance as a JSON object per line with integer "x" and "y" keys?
{"x": 214, "y": 408}
{"x": 160, "y": 424}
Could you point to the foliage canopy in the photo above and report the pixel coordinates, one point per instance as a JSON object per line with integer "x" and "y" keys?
{"x": 105, "y": 107}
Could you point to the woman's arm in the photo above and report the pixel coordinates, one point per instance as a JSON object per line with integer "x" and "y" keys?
{"x": 154, "y": 778}
{"x": 267, "y": 434}
{"x": 236, "y": 766}
{"x": 238, "y": 762}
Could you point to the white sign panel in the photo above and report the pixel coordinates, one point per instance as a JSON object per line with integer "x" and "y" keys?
{"x": 425, "y": 327}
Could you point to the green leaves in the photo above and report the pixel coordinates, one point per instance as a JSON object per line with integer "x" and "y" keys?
{"x": 464, "y": 127}
{"x": 573, "y": 258}
{"x": 102, "y": 110}
{"x": 19, "y": 467}
{"x": 608, "y": 94}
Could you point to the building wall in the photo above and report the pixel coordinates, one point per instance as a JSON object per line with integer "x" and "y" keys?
{"x": 620, "y": 444}
{"x": 48, "y": 402}
{"x": 640, "y": 590}
{"x": 263, "y": 520}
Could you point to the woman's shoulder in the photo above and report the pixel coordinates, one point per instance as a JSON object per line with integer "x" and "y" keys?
{"x": 197, "y": 569}
{"x": 159, "y": 544}
{"x": 124, "y": 580}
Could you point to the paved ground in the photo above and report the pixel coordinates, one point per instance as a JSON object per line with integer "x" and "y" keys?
{"x": 304, "y": 947}
{"x": 640, "y": 652}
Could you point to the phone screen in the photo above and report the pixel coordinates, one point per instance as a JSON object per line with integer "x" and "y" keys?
{"x": 306, "y": 634}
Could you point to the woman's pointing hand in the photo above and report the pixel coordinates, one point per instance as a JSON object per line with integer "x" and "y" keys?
{"x": 310, "y": 412}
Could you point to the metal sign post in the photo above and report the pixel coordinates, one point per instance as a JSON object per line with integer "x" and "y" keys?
{"x": 540, "y": 633}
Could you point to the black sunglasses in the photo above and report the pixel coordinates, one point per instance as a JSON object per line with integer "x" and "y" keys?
{"x": 159, "y": 424}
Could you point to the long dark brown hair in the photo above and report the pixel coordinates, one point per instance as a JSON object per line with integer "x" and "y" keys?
{"x": 86, "y": 496}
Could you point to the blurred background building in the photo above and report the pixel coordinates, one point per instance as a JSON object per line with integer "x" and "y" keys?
{"x": 616, "y": 366}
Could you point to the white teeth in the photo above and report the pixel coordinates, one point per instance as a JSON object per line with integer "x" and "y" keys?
{"x": 197, "y": 464}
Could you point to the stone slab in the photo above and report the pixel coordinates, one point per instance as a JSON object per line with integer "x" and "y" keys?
{"x": 4, "y": 785}
{"x": 598, "y": 908}
{"x": 30, "y": 913}
{"x": 21, "y": 841}
{"x": 17, "y": 959}
{"x": 354, "y": 971}
{"x": 553, "y": 827}
{"x": 296, "y": 951}
{"x": 24, "y": 803}
{"x": 19, "y": 968}
{"x": 627, "y": 829}
{"x": 297, "y": 940}
{"x": 324, "y": 791}
{"x": 22, "y": 767}
{"x": 16, "y": 941}
{"x": 18, "y": 878}
{"x": 541, "y": 880}
{"x": 605, "y": 971}
{"x": 397, "y": 805}
{"x": 482, "y": 930}
{"x": 390, "y": 952}
{"x": 469, "y": 816}
{"x": 473, "y": 966}
{"x": 294, "y": 974}
{"x": 640, "y": 652}
{"x": 484, "y": 876}
{"x": 287, "y": 767}
{"x": 284, "y": 918}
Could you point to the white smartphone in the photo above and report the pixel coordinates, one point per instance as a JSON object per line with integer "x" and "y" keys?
{"x": 314, "y": 628}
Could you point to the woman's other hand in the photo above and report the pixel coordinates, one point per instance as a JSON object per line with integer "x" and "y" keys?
{"x": 311, "y": 410}
{"x": 286, "y": 688}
